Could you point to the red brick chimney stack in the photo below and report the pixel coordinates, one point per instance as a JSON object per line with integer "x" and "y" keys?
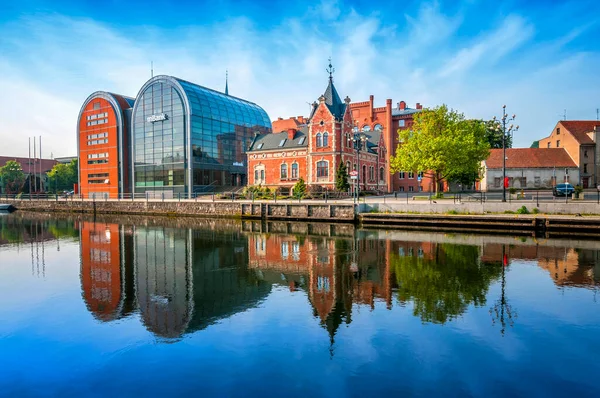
{"x": 371, "y": 99}
{"x": 402, "y": 105}
{"x": 291, "y": 134}
{"x": 419, "y": 106}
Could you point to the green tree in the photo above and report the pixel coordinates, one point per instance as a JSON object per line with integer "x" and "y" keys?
{"x": 62, "y": 176}
{"x": 493, "y": 135}
{"x": 443, "y": 143}
{"x": 341, "y": 178}
{"x": 299, "y": 190}
{"x": 442, "y": 284}
{"x": 12, "y": 177}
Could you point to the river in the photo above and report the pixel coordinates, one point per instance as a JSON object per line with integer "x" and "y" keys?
{"x": 135, "y": 306}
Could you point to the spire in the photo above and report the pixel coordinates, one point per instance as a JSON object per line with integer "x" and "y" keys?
{"x": 330, "y": 70}
{"x": 226, "y": 82}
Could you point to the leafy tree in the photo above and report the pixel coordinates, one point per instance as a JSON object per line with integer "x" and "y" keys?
{"x": 443, "y": 142}
{"x": 299, "y": 190}
{"x": 63, "y": 176}
{"x": 442, "y": 284}
{"x": 341, "y": 178}
{"x": 493, "y": 135}
{"x": 12, "y": 177}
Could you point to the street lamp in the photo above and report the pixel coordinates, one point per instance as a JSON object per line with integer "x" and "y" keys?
{"x": 358, "y": 140}
{"x": 501, "y": 126}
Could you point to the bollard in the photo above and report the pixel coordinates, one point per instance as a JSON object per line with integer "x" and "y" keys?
{"x": 406, "y": 197}
{"x": 232, "y": 196}
{"x": 163, "y": 196}
{"x": 252, "y": 196}
{"x": 275, "y": 196}
{"x": 537, "y": 199}
{"x": 326, "y": 196}
{"x": 179, "y": 196}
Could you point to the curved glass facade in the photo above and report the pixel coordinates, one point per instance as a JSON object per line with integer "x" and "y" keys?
{"x": 188, "y": 138}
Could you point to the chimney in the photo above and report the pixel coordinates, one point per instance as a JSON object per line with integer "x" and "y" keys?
{"x": 291, "y": 134}
{"x": 371, "y": 107}
{"x": 419, "y": 106}
{"x": 402, "y": 105}
{"x": 279, "y": 118}
{"x": 300, "y": 119}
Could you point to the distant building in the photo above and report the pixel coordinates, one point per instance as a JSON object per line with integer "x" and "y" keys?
{"x": 34, "y": 169}
{"x": 529, "y": 168}
{"x": 580, "y": 139}
{"x": 65, "y": 159}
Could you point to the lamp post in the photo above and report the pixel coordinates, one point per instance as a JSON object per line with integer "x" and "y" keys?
{"x": 501, "y": 126}
{"x": 358, "y": 139}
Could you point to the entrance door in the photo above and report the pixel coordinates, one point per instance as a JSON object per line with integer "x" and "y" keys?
{"x": 586, "y": 182}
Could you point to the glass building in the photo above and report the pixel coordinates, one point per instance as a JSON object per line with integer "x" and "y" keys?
{"x": 188, "y": 138}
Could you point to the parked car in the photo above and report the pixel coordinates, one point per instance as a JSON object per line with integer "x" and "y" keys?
{"x": 565, "y": 189}
{"x": 66, "y": 194}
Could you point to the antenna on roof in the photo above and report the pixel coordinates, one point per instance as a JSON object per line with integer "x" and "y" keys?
{"x": 597, "y": 113}
{"x": 151, "y": 69}
{"x": 226, "y": 82}
{"x": 565, "y": 115}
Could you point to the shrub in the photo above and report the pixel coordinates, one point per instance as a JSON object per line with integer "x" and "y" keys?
{"x": 509, "y": 212}
{"x": 535, "y": 210}
{"x": 453, "y": 212}
{"x": 512, "y": 190}
{"x": 299, "y": 190}
{"x": 439, "y": 195}
{"x": 522, "y": 210}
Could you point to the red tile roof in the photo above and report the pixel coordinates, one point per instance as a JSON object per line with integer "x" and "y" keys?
{"x": 519, "y": 158}
{"x": 580, "y": 128}
{"x": 47, "y": 164}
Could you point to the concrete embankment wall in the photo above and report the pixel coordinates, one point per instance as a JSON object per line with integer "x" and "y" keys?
{"x": 441, "y": 207}
{"x": 280, "y": 211}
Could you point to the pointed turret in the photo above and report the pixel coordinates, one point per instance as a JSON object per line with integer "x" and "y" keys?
{"x": 332, "y": 99}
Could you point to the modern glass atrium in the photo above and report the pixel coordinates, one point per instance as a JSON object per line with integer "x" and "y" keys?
{"x": 189, "y": 139}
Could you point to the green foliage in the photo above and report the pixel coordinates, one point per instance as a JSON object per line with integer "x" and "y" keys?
{"x": 62, "y": 177}
{"x": 523, "y": 210}
{"x": 509, "y": 212}
{"x": 578, "y": 189}
{"x": 493, "y": 135}
{"x": 341, "y": 178}
{"x": 444, "y": 142}
{"x": 535, "y": 210}
{"x": 512, "y": 190}
{"x": 299, "y": 190}
{"x": 444, "y": 283}
{"x": 12, "y": 177}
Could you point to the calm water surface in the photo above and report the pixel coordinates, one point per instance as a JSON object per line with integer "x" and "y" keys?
{"x": 150, "y": 307}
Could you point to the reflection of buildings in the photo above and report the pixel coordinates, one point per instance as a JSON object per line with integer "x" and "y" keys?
{"x": 566, "y": 266}
{"x": 105, "y": 279}
{"x": 335, "y": 272}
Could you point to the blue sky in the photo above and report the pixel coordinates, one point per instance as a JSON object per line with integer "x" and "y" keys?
{"x": 537, "y": 57}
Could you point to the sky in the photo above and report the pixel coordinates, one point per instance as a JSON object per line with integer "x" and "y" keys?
{"x": 539, "y": 58}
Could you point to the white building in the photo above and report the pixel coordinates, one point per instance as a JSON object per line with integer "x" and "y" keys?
{"x": 529, "y": 168}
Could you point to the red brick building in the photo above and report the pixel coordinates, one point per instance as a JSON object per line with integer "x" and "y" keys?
{"x": 580, "y": 139}
{"x": 313, "y": 148}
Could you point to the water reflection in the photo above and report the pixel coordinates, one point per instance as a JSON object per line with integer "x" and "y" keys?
{"x": 182, "y": 276}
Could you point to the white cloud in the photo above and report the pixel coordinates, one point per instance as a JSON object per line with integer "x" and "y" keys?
{"x": 49, "y": 64}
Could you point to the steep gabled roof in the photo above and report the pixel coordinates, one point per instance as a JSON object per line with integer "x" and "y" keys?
{"x": 580, "y": 128}
{"x": 526, "y": 158}
{"x": 333, "y": 101}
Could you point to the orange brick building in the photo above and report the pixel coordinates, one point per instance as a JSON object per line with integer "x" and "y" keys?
{"x": 103, "y": 145}
{"x": 580, "y": 139}
{"x": 313, "y": 148}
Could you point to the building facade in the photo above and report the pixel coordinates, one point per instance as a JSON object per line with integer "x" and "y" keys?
{"x": 313, "y": 151}
{"x": 103, "y": 142}
{"x": 187, "y": 138}
{"x": 580, "y": 139}
{"x": 35, "y": 170}
{"x": 529, "y": 168}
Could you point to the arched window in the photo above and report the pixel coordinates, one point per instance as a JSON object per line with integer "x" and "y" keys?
{"x": 348, "y": 167}
{"x": 322, "y": 169}
{"x": 381, "y": 173}
{"x": 366, "y": 128}
{"x": 326, "y": 139}
{"x": 283, "y": 171}
{"x": 364, "y": 173}
{"x": 378, "y": 127}
{"x": 294, "y": 170}
{"x": 319, "y": 140}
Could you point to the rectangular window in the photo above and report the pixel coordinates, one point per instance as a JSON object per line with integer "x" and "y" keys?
{"x": 420, "y": 174}
{"x": 98, "y": 175}
{"x": 255, "y": 175}
{"x": 585, "y": 154}
{"x": 410, "y": 189}
{"x": 420, "y": 188}
{"x": 401, "y": 123}
{"x": 548, "y": 144}
{"x": 283, "y": 171}
{"x": 497, "y": 182}
{"x": 401, "y": 174}
{"x": 558, "y": 131}
{"x": 411, "y": 175}
{"x": 585, "y": 168}
{"x": 557, "y": 143}
{"x": 537, "y": 181}
{"x": 401, "y": 189}
{"x": 322, "y": 169}
{"x": 262, "y": 175}
{"x": 294, "y": 170}
{"x": 285, "y": 250}
{"x": 96, "y": 105}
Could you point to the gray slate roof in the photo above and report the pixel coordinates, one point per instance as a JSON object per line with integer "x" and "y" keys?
{"x": 333, "y": 101}
{"x": 406, "y": 111}
{"x": 271, "y": 141}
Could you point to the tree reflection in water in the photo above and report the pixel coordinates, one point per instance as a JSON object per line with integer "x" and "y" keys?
{"x": 444, "y": 282}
